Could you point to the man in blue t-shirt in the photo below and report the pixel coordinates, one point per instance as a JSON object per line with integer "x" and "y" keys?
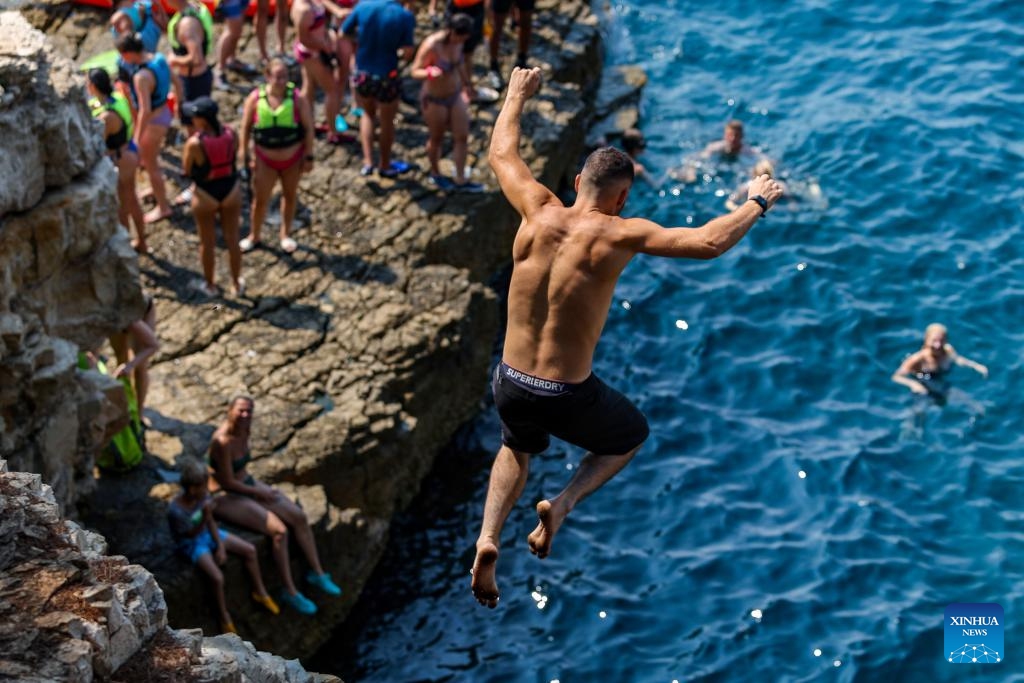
{"x": 381, "y": 31}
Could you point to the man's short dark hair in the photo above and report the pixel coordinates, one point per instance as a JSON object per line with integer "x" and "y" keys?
{"x": 734, "y": 124}
{"x": 130, "y": 43}
{"x": 607, "y": 166}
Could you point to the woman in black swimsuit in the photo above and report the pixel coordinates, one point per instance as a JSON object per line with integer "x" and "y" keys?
{"x": 250, "y": 503}
{"x": 209, "y": 159}
{"x": 441, "y": 65}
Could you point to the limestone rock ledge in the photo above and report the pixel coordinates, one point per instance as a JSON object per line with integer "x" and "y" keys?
{"x": 70, "y": 613}
{"x": 68, "y": 276}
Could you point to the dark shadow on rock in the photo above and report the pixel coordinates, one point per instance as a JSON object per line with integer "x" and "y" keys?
{"x": 178, "y": 280}
{"x": 352, "y": 268}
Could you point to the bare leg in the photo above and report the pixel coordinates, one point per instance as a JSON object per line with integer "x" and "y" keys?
{"x": 497, "y": 28}
{"x": 149, "y": 150}
{"x": 233, "y": 544}
{"x": 367, "y": 122}
{"x": 436, "y": 118}
{"x": 263, "y": 181}
{"x": 295, "y": 518}
{"x": 281, "y": 22}
{"x": 228, "y": 42}
{"x": 129, "y": 206}
{"x": 508, "y": 477}
{"x": 207, "y": 564}
{"x": 322, "y": 77}
{"x": 387, "y": 131}
{"x": 246, "y": 512}
{"x": 593, "y": 472}
{"x": 230, "y": 221}
{"x": 289, "y": 192}
{"x": 525, "y": 31}
{"x": 204, "y": 210}
{"x": 260, "y": 26}
{"x": 460, "y": 138}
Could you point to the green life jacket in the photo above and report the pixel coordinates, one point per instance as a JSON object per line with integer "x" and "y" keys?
{"x": 277, "y": 128}
{"x": 125, "y": 449}
{"x": 200, "y": 12}
{"x": 118, "y": 104}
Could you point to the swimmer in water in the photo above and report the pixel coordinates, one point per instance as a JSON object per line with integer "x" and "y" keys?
{"x": 924, "y": 372}
{"x": 566, "y": 262}
{"x": 634, "y": 144}
{"x": 763, "y": 167}
{"x": 730, "y": 148}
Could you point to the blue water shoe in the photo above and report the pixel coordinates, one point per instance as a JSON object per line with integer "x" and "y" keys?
{"x": 323, "y": 582}
{"x": 299, "y": 602}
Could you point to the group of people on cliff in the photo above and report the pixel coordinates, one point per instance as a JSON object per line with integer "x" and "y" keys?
{"x": 351, "y": 51}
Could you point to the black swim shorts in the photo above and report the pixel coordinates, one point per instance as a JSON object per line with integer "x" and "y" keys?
{"x": 194, "y": 87}
{"x": 384, "y": 89}
{"x": 590, "y": 414}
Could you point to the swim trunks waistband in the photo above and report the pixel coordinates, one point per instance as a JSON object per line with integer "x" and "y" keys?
{"x": 537, "y": 385}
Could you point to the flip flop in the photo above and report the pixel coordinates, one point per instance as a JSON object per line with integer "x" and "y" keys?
{"x": 288, "y": 245}
{"x": 246, "y": 244}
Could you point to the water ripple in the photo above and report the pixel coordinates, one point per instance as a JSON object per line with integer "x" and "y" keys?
{"x": 780, "y": 479}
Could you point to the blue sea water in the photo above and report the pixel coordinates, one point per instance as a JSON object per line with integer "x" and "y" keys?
{"x": 783, "y": 523}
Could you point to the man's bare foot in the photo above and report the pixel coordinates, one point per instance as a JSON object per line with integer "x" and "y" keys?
{"x": 541, "y": 537}
{"x": 485, "y": 588}
{"x": 156, "y": 214}
{"x": 141, "y": 247}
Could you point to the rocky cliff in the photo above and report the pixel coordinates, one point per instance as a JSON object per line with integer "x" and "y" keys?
{"x": 70, "y": 613}
{"x": 365, "y": 349}
{"x": 67, "y": 273}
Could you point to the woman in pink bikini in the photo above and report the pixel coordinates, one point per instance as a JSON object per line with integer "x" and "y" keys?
{"x": 324, "y": 59}
{"x": 280, "y": 124}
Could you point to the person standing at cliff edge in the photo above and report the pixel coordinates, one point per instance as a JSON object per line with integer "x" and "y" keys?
{"x": 566, "y": 262}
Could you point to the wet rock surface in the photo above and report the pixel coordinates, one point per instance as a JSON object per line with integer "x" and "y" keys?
{"x": 364, "y": 350}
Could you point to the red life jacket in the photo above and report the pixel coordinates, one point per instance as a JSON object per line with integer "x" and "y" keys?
{"x": 220, "y": 151}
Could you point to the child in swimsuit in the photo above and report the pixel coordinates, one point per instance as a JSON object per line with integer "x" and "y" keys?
{"x": 198, "y": 538}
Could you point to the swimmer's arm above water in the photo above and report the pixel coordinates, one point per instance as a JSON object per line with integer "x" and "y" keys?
{"x": 963, "y": 361}
{"x": 708, "y": 241}
{"x": 908, "y": 367}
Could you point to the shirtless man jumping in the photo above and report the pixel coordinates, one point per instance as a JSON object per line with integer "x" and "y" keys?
{"x": 566, "y": 261}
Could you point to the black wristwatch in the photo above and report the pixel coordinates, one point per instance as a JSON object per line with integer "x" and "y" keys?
{"x": 761, "y": 201}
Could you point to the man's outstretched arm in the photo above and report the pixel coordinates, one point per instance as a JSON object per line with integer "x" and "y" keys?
{"x": 517, "y": 182}
{"x": 711, "y": 239}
